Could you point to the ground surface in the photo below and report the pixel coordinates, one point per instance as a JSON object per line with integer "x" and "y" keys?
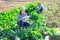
{"x": 8, "y": 4}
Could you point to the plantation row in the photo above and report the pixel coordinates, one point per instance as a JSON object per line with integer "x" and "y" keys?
{"x": 9, "y": 29}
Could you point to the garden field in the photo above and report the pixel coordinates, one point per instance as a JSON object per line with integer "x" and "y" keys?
{"x": 41, "y": 24}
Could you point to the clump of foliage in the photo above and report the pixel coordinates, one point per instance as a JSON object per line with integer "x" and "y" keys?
{"x": 30, "y": 8}
{"x": 34, "y": 32}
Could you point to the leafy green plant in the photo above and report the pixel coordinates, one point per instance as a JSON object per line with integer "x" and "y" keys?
{"x": 31, "y": 7}
{"x": 4, "y": 38}
{"x": 34, "y": 32}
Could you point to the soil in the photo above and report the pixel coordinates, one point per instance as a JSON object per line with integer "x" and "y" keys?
{"x": 8, "y": 4}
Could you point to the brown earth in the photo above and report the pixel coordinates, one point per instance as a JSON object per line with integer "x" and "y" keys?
{"x": 8, "y": 4}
